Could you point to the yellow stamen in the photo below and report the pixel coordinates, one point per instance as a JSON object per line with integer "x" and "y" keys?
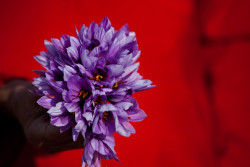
{"x": 98, "y": 77}
{"x": 105, "y": 115}
{"x": 98, "y": 100}
{"x": 83, "y": 94}
{"x": 115, "y": 85}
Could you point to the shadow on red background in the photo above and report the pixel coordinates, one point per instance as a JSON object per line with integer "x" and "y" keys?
{"x": 196, "y": 52}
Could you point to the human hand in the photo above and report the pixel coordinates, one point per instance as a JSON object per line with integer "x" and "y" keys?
{"x": 34, "y": 120}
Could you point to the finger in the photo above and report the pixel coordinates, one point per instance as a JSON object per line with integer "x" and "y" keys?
{"x": 69, "y": 145}
{"x": 54, "y": 141}
{"x": 53, "y": 134}
{"x": 50, "y": 133}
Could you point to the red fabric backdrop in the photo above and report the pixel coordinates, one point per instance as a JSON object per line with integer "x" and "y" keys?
{"x": 196, "y": 52}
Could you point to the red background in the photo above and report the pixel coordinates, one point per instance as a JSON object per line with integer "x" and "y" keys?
{"x": 196, "y": 52}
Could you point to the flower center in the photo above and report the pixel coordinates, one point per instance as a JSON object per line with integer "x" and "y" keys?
{"x": 99, "y": 77}
{"x": 83, "y": 94}
{"x": 94, "y": 43}
{"x": 98, "y": 100}
{"x": 105, "y": 115}
{"x": 115, "y": 85}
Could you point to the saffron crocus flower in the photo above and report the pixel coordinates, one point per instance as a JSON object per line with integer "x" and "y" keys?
{"x": 106, "y": 121}
{"x": 88, "y": 83}
{"x": 96, "y": 147}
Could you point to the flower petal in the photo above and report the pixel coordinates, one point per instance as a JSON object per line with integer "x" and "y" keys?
{"x": 74, "y": 83}
{"x": 88, "y": 62}
{"x": 73, "y": 53}
{"x": 128, "y": 127}
{"x": 58, "y": 110}
{"x": 72, "y": 107}
{"x": 47, "y": 102}
{"x": 105, "y": 23}
{"x": 138, "y": 116}
{"x": 75, "y": 134}
{"x": 60, "y": 121}
{"x": 68, "y": 72}
{"x": 124, "y": 105}
{"x": 115, "y": 70}
{"x": 106, "y": 107}
{"x": 96, "y": 128}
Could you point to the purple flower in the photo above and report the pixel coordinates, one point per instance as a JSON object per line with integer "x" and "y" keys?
{"x": 88, "y": 83}
{"x": 96, "y": 147}
{"x": 106, "y": 121}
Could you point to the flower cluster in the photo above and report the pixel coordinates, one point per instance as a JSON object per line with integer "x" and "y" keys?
{"x": 88, "y": 85}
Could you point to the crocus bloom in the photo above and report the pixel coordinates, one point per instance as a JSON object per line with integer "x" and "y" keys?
{"x": 88, "y": 83}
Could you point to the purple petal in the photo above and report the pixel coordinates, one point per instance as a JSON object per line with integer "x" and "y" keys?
{"x": 115, "y": 70}
{"x": 88, "y": 62}
{"x": 42, "y": 60}
{"x": 47, "y": 102}
{"x": 122, "y": 131}
{"x": 95, "y": 144}
{"x": 68, "y": 72}
{"x": 83, "y": 32}
{"x": 96, "y": 128}
{"x": 65, "y": 40}
{"x": 125, "y": 59}
{"x": 88, "y": 116}
{"x": 60, "y": 121}
{"x": 128, "y": 127}
{"x": 81, "y": 68}
{"x": 132, "y": 77}
{"x": 40, "y": 72}
{"x": 58, "y": 110}
{"x": 141, "y": 85}
{"x": 72, "y": 107}
{"x": 73, "y": 53}
{"x": 50, "y": 47}
{"x": 80, "y": 126}
{"x": 123, "y": 116}
{"x": 65, "y": 96}
{"x": 88, "y": 153}
{"x": 107, "y": 37}
{"x": 66, "y": 127}
{"x": 109, "y": 140}
{"x": 73, "y": 96}
{"x": 106, "y": 107}
{"x": 128, "y": 70}
{"x": 100, "y": 34}
{"x": 75, "y": 134}
{"x": 57, "y": 43}
{"x": 92, "y": 29}
{"x": 78, "y": 116}
{"x": 136, "y": 57}
{"x": 124, "y": 105}
{"x": 74, "y": 42}
{"x": 74, "y": 83}
{"x": 125, "y": 29}
{"x": 138, "y": 116}
{"x": 105, "y": 23}
{"x": 36, "y": 92}
{"x": 101, "y": 148}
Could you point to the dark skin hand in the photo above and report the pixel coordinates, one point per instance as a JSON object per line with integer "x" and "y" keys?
{"x": 34, "y": 120}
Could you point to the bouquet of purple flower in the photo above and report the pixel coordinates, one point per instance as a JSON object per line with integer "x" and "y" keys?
{"x": 88, "y": 85}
